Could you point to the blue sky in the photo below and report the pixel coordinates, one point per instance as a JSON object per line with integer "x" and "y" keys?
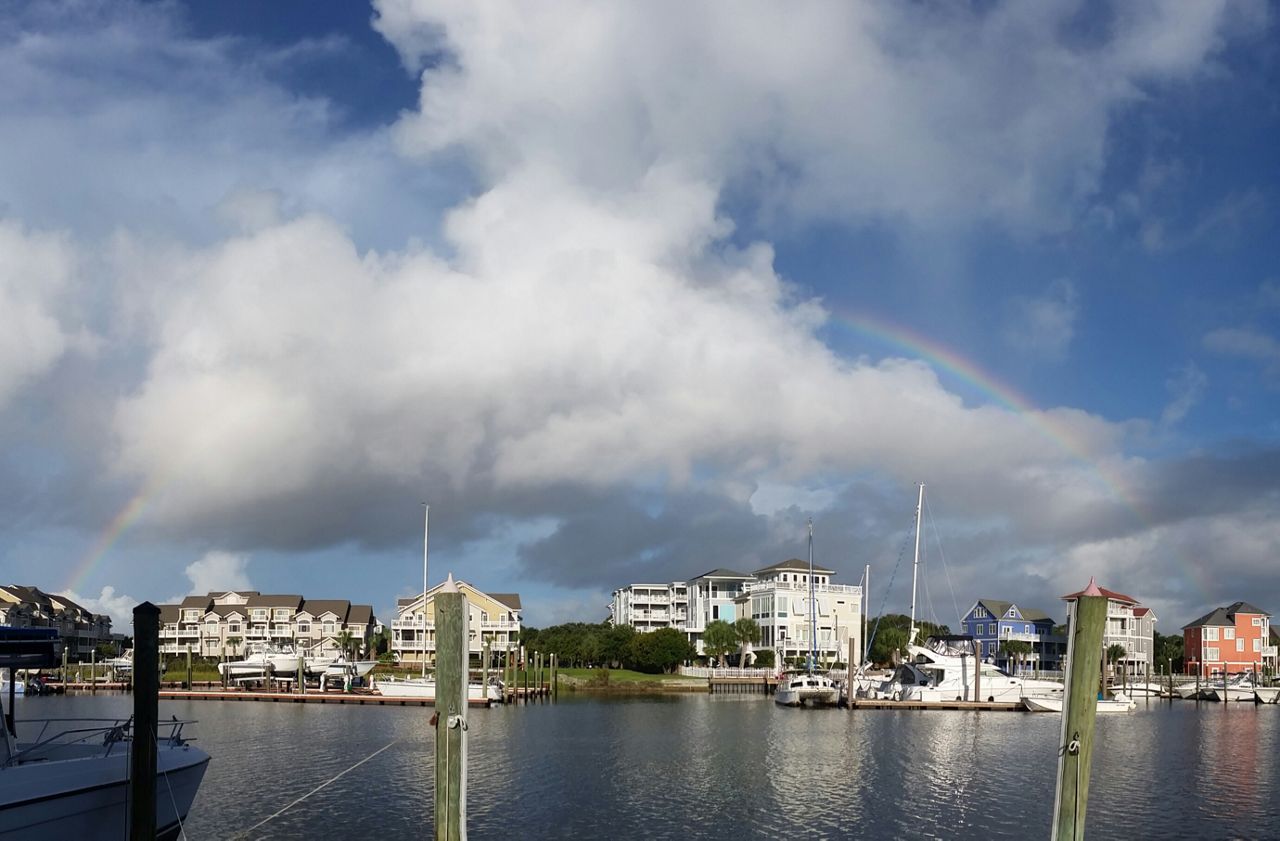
{"x": 583, "y": 277}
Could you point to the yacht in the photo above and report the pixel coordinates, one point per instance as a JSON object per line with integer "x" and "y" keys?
{"x": 1238, "y": 688}
{"x": 943, "y": 669}
{"x": 70, "y": 779}
{"x": 279, "y": 660}
{"x": 1121, "y": 703}
{"x": 424, "y": 688}
{"x": 338, "y": 666}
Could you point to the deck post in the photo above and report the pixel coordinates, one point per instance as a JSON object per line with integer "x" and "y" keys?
{"x": 451, "y": 713}
{"x": 977, "y": 671}
{"x": 1088, "y": 616}
{"x": 93, "y": 671}
{"x": 555, "y": 676}
{"x": 301, "y": 676}
{"x": 524, "y": 671}
{"x": 146, "y": 709}
{"x": 484, "y": 669}
{"x": 188, "y": 686}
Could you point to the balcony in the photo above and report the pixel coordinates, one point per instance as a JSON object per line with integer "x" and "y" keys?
{"x": 1006, "y": 634}
{"x": 797, "y": 587}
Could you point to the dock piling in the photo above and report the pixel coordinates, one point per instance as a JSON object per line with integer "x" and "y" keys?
{"x": 146, "y": 710}
{"x": 452, "y": 661}
{"x": 1088, "y": 616}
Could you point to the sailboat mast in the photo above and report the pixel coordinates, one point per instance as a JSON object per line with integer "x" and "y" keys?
{"x": 866, "y": 608}
{"x": 426, "y": 533}
{"x": 915, "y": 568}
{"x": 813, "y": 607}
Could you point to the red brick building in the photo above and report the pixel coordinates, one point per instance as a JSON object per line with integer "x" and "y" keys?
{"x": 1236, "y": 639}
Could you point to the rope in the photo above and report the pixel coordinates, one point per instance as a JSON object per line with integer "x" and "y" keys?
{"x": 327, "y": 782}
{"x": 946, "y": 569}
{"x": 885, "y": 598}
{"x": 182, "y": 830}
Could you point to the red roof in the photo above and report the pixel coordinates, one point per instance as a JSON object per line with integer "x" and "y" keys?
{"x": 1141, "y": 611}
{"x": 1110, "y": 594}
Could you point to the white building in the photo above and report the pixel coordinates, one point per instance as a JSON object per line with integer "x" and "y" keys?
{"x": 776, "y": 597}
{"x": 1131, "y": 626}
{"x": 648, "y": 607}
{"x": 81, "y": 630}
{"x": 228, "y": 623}
{"x": 493, "y": 618}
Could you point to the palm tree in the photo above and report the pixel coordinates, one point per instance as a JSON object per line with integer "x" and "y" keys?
{"x": 234, "y": 642}
{"x": 748, "y": 633}
{"x": 345, "y": 640}
{"x": 1115, "y": 653}
{"x": 1016, "y": 650}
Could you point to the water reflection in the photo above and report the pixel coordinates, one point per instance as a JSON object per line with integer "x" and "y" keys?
{"x": 709, "y": 767}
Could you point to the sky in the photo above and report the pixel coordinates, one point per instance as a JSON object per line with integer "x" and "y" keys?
{"x": 628, "y": 292}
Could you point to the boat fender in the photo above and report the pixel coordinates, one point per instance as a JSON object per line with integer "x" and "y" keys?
{"x": 897, "y": 695}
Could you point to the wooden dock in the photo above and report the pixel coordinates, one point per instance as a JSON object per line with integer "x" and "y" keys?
{"x": 742, "y": 685}
{"x": 985, "y": 706}
{"x": 361, "y": 698}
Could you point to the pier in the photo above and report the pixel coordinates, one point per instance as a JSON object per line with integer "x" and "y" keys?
{"x": 984, "y": 706}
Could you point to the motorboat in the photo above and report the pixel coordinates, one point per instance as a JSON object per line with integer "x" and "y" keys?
{"x": 70, "y": 778}
{"x": 278, "y": 660}
{"x": 807, "y": 689}
{"x": 944, "y": 668}
{"x": 1145, "y": 688}
{"x": 1121, "y": 703}
{"x": 1266, "y": 694}
{"x": 122, "y": 665}
{"x": 1240, "y": 688}
{"x": 338, "y": 666}
{"x": 424, "y": 688}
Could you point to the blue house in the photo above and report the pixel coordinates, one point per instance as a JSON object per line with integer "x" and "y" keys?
{"x": 992, "y": 622}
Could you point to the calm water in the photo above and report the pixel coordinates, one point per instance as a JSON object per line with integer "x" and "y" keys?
{"x": 703, "y": 767}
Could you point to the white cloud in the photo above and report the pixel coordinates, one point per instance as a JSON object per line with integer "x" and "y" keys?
{"x": 1044, "y": 325}
{"x": 937, "y": 115}
{"x": 118, "y": 606}
{"x": 36, "y": 271}
{"x": 218, "y": 571}
{"x": 1187, "y": 387}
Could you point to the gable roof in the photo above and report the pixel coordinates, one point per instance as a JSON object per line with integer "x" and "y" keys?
{"x": 319, "y": 607}
{"x": 794, "y": 564}
{"x": 274, "y": 600}
{"x": 1217, "y": 616}
{"x": 1245, "y": 607}
{"x": 360, "y": 614}
{"x": 511, "y": 600}
{"x": 996, "y": 607}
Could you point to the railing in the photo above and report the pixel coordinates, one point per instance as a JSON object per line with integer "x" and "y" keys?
{"x": 703, "y": 671}
{"x": 795, "y": 586}
{"x": 1012, "y": 636}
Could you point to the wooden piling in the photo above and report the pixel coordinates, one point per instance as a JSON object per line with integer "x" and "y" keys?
{"x": 484, "y": 667}
{"x": 452, "y": 661}
{"x": 977, "y": 670}
{"x": 188, "y": 683}
{"x": 555, "y": 676}
{"x": 1080, "y": 705}
{"x": 146, "y": 710}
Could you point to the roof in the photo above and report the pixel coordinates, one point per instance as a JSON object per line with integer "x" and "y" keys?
{"x": 360, "y": 614}
{"x": 1141, "y": 611}
{"x": 1217, "y": 616}
{"x": 796, "y": 564}
{"x": 277, "y": 600}
{"x": 1032, "y": 615}
{"x": 1245, "y": 607}
{"x": 720, "y": 572}
{"x": 196, "y": 601}
{"x": 168, "y": 613}
{"x": 1110, "y": 594}
{"x": 511, "y": 600}
{"x": 319, "y": 607}
{"x": 996, "y": 607}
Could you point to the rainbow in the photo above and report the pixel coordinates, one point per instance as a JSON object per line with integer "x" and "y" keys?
{"x": 129, "y": 514}
{"x": 946, "y": 359}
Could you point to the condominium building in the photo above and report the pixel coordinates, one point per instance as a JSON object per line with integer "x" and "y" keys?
{"x": 776, "y": 597}
{"x": 648, "y": 607}
{"x": 493, "y": 618}
{"x": 80, "y": 629}
{"x": 228, "y": 623}
{"x": 1131, "y": 626}
{"x": 1236, "y": 638}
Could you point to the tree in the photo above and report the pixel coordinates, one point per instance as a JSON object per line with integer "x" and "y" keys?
{"x": 1115, "y": 652}
{"x": 234, "y": 642}
{"x": 659, "y": 651}
{"x": 1016, "y": 650}
{"x": 1169, "y": 648}
{"x": 719, "y": 639}
{"x": 748, "y": 630}
{"x": 345, "y": 640}
{"x": 615, "y": 643}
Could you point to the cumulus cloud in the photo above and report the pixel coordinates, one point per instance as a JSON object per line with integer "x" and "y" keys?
{"x": 219, "y": 571}
{"x": 116, "y": 605}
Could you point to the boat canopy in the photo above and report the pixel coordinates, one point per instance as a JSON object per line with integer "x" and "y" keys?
{"x": 29, "y": 648}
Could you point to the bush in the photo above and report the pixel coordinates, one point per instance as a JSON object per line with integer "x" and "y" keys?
{"x": 765, "y": 658}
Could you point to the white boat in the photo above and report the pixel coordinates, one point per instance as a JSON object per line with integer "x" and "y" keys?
{"x": 1239, "y": 688}
{"x": 1266, "y": 694}
{"x": 424, "y": 688}
{"x": 1147, "y": 688}
{"x": 122, "y": 665}
{"x": 19, "y": 686}
{"x": 943, "y": 669}
{"x": 261, "y": 659}
{"x": 1119, "y": 704}
{"x": 338, "y": 666}
{"x": 1188, "y": 691}
{"x": 809, "y": 688}
{"x": 70, "y": 779}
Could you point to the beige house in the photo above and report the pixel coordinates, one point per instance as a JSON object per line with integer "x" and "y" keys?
{"x": 80, "y": 629}
{"x": 225, "y": 624}
{"x": 778, "y": 600}
{"x": 493, "y": 618}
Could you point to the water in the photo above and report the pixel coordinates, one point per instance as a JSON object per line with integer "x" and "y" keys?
{"x": 712, "y": 767}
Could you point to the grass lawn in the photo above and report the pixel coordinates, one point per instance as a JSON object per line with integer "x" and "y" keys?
{"x": 625, "y": 676}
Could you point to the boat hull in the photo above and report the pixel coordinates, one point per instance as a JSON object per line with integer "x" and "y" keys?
{"x": 1266, "y": 694}
{"x": 88, "y": 799}
{"x": 807, "y": 691}
{"x": 1054, "y": 705}
{"x": 426, "y": 690}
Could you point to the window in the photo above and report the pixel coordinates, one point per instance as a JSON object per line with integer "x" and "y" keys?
{"x": 1211, "y": 654}
{"x": 1239, "y": 645}
{"x": 1228, "y": 633}
{"x": 328, "y": 627}
{"x": 193, "y": 615}
{"x": 304, "y": 627}
{"x": 979, "y": 612}
{"x": 1210, "y": 634}
{"x": 1257, "y": 645}
{"x": 1257, "y": 621}
{"x": 1026, "y": 629}
{"x": 715, "y": 612}
{"x": 282, "y": 615}
{"x": 259, "y": 613}
{"x": 233, "y": 628}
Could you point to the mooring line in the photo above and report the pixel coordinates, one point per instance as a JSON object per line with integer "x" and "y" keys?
{"x": 332, "y": 779}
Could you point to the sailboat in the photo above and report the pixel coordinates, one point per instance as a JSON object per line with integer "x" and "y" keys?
{"x": 948, "y": 668}
{"x": 809, "y": 687}
{"x": 424, "y": 687}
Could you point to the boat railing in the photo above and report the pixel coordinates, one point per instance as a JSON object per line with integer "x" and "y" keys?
{"x": 55, "y": 735}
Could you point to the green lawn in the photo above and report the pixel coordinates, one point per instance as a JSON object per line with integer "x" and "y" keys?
{"x": 625, "y": 676}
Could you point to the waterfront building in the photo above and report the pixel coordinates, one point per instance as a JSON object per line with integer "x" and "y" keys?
{"x": 1132, "y": 626}
{"x": 228, "y": 623}
{"x": 648, "y": 607}
{"x": 492, "y": 617}
{"x": 80, "y": 629}
{"x": 1235, "y": 639}
{"x": 992, "y": 622}
{"x": 776, "y": 597}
